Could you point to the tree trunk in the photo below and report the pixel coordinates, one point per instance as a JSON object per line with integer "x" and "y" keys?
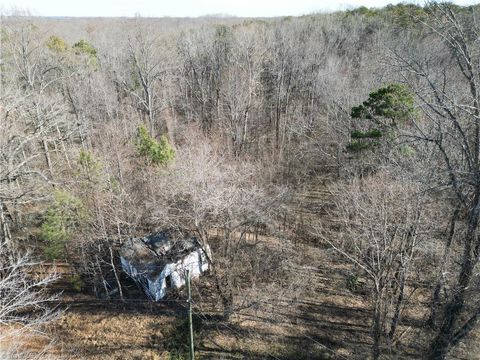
{"x": 432, "y": 320}
{"x": 5, "y": 228}
{"x": 377, "y": 326}
{"x": 117, "y": 278}
{"x": 376, "y": 332}
{"x": 224, "y": 293}
{"x": 47, "y": 156}
{"x": 398, "y": 307}
{"x": 466, "y": 328}
{"x": 150, "y": 111}
{"x": 64, "y": 149}
{"x": 443, "y": 341}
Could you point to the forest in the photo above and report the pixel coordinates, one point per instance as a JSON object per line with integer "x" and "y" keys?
{"x": 330, "y": 164}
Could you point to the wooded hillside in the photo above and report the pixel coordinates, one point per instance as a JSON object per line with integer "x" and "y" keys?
{"x": 330, "y": 164}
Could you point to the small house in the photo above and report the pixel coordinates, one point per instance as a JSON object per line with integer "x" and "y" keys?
{"x": 159, "y": 261}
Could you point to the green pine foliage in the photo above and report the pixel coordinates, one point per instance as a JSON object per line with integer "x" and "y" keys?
{"x": 385, "y": 108}
{"x": 352, "y": 282}
{"x": 363, "y": 11}
{"x": 87, "y": 51}
{"x": 89, "y": 164}
{"x": 64, "y": 215}
{"x": 394, "y": 102}
{"x": 357, "y": 145}
{"x": 57, "y": 44}
{"x": 76, "y": 283}
{"x": 406, "y": 15}
{"x": 158, "y": 152}
{"x": 83, "y": 47}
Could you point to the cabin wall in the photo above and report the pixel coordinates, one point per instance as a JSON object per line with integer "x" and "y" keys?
{"x": 196, "y": 262}
{"x": 147, "y": 284}
{"x": 157, "y": 288}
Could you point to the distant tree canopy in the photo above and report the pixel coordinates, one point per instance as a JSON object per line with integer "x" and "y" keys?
{"x": 386, "y": 107}
{"x": 158, "y": 152}
{"x": 81, "y": 48}
{"x": 403, "y": 12}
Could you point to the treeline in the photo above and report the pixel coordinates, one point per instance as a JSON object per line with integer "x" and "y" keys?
{"x": 111, "y": 131}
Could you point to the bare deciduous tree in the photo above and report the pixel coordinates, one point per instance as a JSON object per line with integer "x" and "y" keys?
{"x": 25, "y": 302}
{"x": 449, "y": 95}
{"x": 204, "y": 193}
{"x": 382, "y": 224}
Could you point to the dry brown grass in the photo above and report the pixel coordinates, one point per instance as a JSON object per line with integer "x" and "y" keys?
{"x": 318, "y": 319}
{"x": 112, "y": 335}
{"x": 18, "y": 343}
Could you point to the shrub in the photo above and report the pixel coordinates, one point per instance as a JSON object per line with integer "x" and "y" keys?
{"x": 56, "y": 44}
{"x": 90, "y": 166}
{"x": 76, "y": 282}
{"x": 64, "y": 215}
{"x": 360, "y": 145}
{"x": 158, "y": 152}
{"x": 83, "y": 47}
{"x": 351, "y": 282}
{"x": 89, "y": 53}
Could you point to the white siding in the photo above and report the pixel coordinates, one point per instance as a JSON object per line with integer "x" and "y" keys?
{"x": 196, "y": 262}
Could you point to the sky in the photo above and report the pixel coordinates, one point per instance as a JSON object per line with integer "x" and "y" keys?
{"x": 189, "y": 8}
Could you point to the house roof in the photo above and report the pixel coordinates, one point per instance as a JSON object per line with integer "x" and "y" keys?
{"x": 149, "y": 254}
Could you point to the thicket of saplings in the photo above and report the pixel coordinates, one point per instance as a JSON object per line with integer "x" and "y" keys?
{"x": 121, "y": 127}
